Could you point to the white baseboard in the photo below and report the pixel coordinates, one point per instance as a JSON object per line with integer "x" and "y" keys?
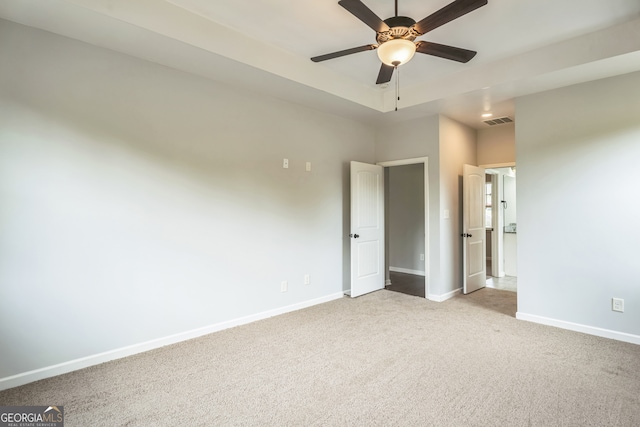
{"x": 585, "y": 329}
{"x": 444, "y": 297}
{"x": 96, "y": 359}
{"x": 407, "y": 271}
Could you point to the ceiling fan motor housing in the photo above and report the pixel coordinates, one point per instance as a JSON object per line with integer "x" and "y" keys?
{"x": 400, "y": 27}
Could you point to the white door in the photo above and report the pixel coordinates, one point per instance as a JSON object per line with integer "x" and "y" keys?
{"x": 367, "y": 228}
{"x": 473, "y": 229}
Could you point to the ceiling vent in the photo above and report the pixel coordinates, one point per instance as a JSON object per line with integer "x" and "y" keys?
{"x": 499, "y": 121}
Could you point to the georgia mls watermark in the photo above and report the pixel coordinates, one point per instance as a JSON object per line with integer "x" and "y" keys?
{"x": 31, "y": 416}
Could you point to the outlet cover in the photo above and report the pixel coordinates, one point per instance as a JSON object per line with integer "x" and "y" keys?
{"x": 617, "y": 304}
{"x": 283, "y": 286}
{"x": 307, "y": 279}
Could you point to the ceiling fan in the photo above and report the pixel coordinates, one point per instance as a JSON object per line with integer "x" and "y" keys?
{"x": 396, "y": 35}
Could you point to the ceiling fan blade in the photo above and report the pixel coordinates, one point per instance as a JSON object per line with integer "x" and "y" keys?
{"x": 344, "y": 52}
{"x": 363, "y": 13}
{"x": 444, "y": 51}
{"x": 384, "y": 76}
{"x": 447, "y": 14}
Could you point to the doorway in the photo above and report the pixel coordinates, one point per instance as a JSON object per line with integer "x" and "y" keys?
{"x": 501, "y": 227}
{"x": 406, "y": 201}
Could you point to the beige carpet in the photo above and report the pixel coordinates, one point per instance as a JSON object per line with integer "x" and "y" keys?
{"x": 384, "y": 359}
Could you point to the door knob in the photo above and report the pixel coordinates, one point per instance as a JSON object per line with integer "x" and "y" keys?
{"x": 466, "y": 235}
{"x": 355, "y": 236}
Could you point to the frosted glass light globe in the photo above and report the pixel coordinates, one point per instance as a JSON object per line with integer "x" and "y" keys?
{"x": 396, "y": 52}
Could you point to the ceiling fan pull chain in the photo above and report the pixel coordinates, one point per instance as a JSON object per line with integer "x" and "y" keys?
{"x": 397, "y": 86}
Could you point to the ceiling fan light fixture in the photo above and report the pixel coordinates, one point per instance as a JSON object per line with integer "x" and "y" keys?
{"x": 396, "y": 52}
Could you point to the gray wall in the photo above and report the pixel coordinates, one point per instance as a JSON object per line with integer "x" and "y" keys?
{"x": 406, "y": 216}
{"x": 457, "y": 147}
{"x": 497, "y": 145}
{"x": 139, "y": 202}
{"x": 413, "y": 139}
{"x": 449, "y": 145}
{"x": 578, "y": 202}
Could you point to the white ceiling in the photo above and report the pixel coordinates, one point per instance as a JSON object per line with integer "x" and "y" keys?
{"x": 524, "y": 46}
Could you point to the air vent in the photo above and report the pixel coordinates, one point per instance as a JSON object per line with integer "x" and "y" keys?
{"x": 499, "y": 121}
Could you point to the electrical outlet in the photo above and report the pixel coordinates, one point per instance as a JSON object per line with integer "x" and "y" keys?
{"x": 308, "y": 166}
{"x": 283, "y": 286}
{"x": 421, "y": 257}
{"x": 617, "y": 304}
{"x": 307, "y": 279}
{"x": 285, "y": 163}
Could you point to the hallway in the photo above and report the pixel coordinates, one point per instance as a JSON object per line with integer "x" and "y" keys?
{"x": 412, "y": 284}
{"x": 506, "y": 283}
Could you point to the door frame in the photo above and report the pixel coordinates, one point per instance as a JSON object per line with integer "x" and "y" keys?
{"x": 425, "y": 162}
{"x": 497, "y": 245}
{"x": 496, "y": 224}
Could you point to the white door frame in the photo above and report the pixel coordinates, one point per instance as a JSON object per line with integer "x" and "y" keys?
{"x": 425, "y": 162}
{"x": 496, "y": 224}
{"x": 497, "y": 246}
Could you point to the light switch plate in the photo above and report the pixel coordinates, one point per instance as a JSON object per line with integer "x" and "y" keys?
{"x": 617, "y": 304}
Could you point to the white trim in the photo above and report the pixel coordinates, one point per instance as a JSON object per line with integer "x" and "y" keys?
{"x": 406, "y": 271}
{"x": 444, "y": 297}
{"x": 497, "y": 165}
{"x": 403, "y": 162}
{"x": 585, "y": 329}
{"x": 425, "y": 162}
{"x": 96, "y": 359}
{"x": 497, "y": 237}
{"x": 387, "y": 282}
